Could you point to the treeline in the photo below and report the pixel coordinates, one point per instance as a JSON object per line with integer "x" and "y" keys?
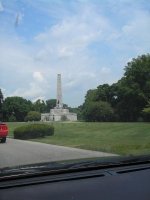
{"x": 128, "y": 100}
{"x": 19, "y": 109}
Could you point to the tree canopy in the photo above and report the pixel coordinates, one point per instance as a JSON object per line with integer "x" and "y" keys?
{"x": 16, "y": 107}
{"x": 1, "y": 103}
{"x": 98, "y": 111}
{"x": 129, "y": 96}
{"x": 50, "y": 103}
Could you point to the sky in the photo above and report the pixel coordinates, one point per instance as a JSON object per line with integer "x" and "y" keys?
{"x": 89, "y": 42}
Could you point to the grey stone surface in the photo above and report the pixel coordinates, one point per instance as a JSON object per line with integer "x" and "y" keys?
{"x": 56, "y": 114}
{"x": 19, "y": 152}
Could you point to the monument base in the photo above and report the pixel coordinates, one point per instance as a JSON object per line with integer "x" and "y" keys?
{"x": 59, "y": 114}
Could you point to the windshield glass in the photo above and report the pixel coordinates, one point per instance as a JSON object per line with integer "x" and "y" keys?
{"x": 74, "y": 80}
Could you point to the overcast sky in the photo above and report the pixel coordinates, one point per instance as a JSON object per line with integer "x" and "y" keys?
{"x": 88, "y": 41}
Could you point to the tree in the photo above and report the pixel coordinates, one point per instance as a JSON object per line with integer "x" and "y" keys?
{"x": 103, "y": 93}
{"x": 96, "y": 106}
{"x": 129, "y": 96}
{"x": 50, "y": 103}
{"x": 1, "y": 104}
{"x": 91, "y": 96}
{"x": 146, "y": 112}
{"x": 12, "y": 118}
{"x": 134, "y": 89}
{"x": 33, "y": 116}
{"x": 17, "y": 107}
{"x": 98, "y": 111}
{"x": 39, "y": 106}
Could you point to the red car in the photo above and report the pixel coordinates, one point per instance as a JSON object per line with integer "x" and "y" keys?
{"x": 3, "y": 132}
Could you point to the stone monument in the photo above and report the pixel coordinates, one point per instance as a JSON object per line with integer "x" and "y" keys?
{"x": 59, "y": 113}
{"x": 59, "y": 103}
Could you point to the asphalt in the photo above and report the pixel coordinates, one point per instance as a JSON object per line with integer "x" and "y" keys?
{"x": 19, "y": 152}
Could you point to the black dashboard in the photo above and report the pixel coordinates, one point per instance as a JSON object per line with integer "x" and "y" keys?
{"x": 118, "y": 183}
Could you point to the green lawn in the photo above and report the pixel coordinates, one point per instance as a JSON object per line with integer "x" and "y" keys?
{"x": 120, "y": 138}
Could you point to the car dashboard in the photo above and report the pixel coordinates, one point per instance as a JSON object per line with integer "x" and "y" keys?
{"x": 115, "y": 183}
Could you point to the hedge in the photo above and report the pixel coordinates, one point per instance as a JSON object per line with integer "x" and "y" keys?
{"x": 33, "y": 131}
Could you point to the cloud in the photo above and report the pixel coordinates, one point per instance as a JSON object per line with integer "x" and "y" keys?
{"x": 32, "y": 91}
{"x": 86, "y": 44}
{"x": 137, "y": 30}
{"x": 134, "y": 34}
{"x": 74, "y": 34}
{"x": 14, "y": 54}
{"x": 105, "y": 70}
{"x": 38, "y": 76}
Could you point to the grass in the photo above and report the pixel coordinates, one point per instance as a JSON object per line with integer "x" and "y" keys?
{"x": 120, "y": 138}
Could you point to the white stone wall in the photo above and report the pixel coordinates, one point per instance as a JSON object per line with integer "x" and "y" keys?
{"x": 56, "y": 115}
{"x": 45, "y": 117}
{"x": 72, "y": 117}
{"x": 59, "y": 111}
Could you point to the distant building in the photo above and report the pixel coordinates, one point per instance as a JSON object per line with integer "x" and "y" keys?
{"x": 59, "y": 113}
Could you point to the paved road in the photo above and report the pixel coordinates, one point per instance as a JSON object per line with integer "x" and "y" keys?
{"x": 18, "y": 152}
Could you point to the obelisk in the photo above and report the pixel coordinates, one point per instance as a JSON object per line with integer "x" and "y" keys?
{"x": 59, "y": 103}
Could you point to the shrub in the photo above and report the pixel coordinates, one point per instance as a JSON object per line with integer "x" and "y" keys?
{"x": 33, "y": 131}
{"x": 63, "y": 118}
{"x": 33, "y": 116}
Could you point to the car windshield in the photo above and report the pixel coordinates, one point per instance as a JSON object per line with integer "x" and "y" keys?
{"x": 74, "y": 80}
